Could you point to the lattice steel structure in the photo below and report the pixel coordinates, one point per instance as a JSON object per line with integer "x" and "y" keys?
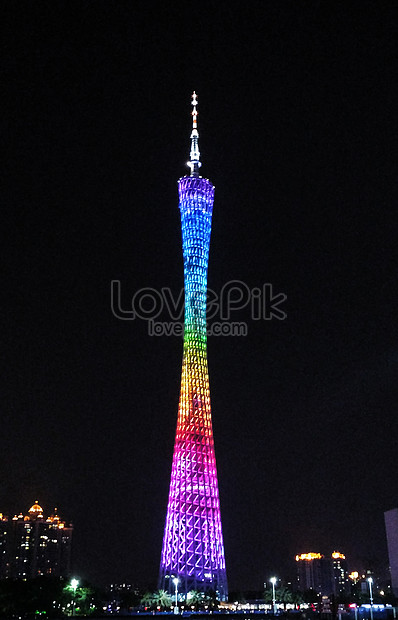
{"x": 193, "y": 549}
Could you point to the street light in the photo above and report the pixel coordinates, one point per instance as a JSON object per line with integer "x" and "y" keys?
{"x": 74, "y": 583}
{"x": 370, "y": 581}
{"x": 176, "y": 581}
{"x": 273, "y": 581}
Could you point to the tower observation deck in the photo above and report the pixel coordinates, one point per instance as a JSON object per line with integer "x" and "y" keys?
{"x": 193, "y": 549}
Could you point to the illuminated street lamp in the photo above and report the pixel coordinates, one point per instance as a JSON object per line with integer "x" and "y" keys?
{"x": 176, "y": 581}
{"x": 74, "y": 583}
{"x": 370, "y": 581}
{"x": 273, "y": 581}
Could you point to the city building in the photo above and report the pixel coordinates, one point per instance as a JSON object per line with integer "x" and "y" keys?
{"x": 309, "y": 572}
{"x": 193, "y": 551}
{"x": 340, "y": 581}
{"x": 391, "y": 523}
{"x": 32, "y": 545}
{"x": 326, "y": 575}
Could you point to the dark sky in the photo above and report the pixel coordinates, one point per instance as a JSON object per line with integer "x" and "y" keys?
{"x": 298, "y": 132}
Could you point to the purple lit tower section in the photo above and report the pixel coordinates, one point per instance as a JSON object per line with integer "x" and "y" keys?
{"x": 193, "y": 550}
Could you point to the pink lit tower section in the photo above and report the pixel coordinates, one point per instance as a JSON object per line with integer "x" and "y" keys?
{"x": 193, "y": 549}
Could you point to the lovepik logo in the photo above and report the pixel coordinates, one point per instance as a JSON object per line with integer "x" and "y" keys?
{"x": 150, "y": 304}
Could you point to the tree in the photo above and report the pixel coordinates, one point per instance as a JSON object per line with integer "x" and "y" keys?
{"x": 297, "y": 598}
{"x": 147, "y": 600}
{"x": 212, "y": 598}
{"x": 83, "y": 600}
{"x": 162, "y": 599}
{"x": 194, "y": 598}
{"x": 18, "y": 597}
{"x": 282, "y": 595}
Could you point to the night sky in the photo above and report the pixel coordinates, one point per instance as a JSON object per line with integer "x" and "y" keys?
{"x": 298, "y": 132}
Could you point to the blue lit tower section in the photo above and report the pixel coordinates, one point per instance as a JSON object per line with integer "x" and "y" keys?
{"x": 193, "y": 549}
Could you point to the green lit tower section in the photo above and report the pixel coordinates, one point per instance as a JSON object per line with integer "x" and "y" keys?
{"x": 193, "y": 550}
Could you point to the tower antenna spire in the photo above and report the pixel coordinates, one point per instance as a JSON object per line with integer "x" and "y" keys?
{"x": 194, "y": 162}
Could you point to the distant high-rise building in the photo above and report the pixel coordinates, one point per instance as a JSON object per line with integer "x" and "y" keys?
{"x": 309, "y": 571}
{"x": 391, "y": 521}
{"x": 32, "y": 545}
{"x": 325, "y": 575}
{"x": 340, "y": 580}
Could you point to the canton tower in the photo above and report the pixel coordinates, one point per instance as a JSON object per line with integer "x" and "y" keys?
{"x": 193, "y": 549}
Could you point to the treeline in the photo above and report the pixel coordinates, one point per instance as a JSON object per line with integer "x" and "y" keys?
{"x": 50, "y": 597}
{"x": 195, "y": 601}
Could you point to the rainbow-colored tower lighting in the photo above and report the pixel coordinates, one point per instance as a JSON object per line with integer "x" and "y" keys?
{"x": 193, "y": 549}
